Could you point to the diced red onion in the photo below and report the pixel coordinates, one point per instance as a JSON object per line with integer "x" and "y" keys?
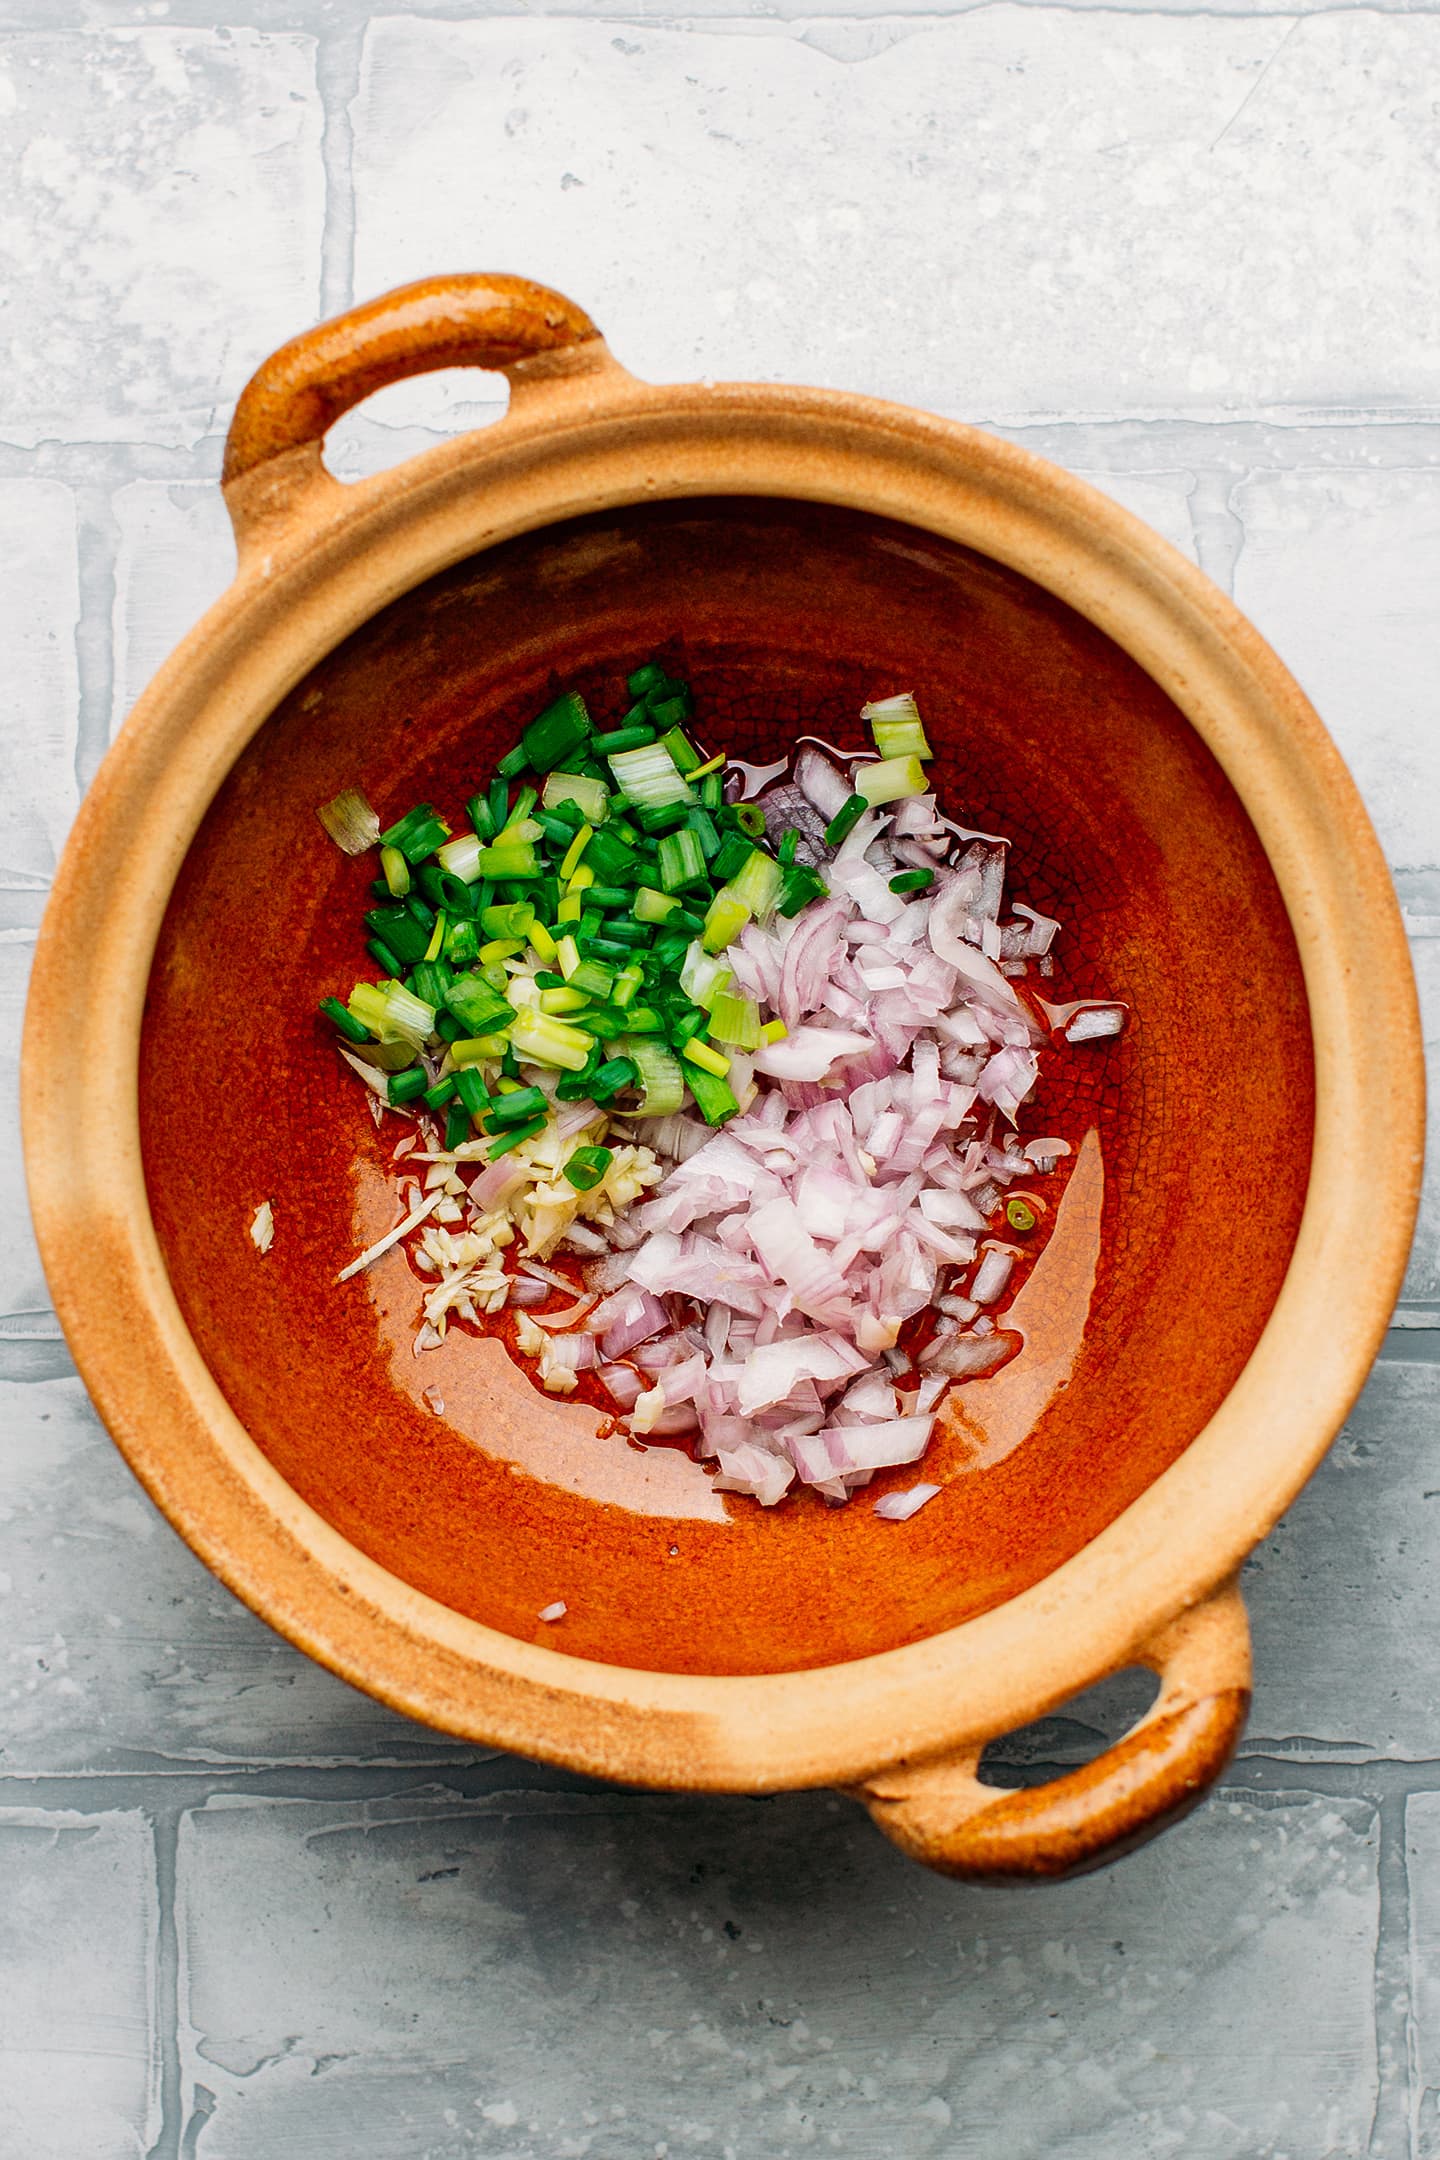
{"x": 524, "y": 1292}
{"x": 576, "y": 1352}
{"x": 624, "y": 1384}
{"x": 646, "y": 1317}
{"x": 900, "y": 1506}
{"x": 990, "y": 1278}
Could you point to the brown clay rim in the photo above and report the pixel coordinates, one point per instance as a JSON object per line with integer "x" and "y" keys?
{"x": 316, "y": 561}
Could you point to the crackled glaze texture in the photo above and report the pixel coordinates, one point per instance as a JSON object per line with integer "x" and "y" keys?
{"x": 785, "y": 617}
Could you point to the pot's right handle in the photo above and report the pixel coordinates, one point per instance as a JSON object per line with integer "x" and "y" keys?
{"x": 495, "y": 321}
{"x": 939, "y": 1812}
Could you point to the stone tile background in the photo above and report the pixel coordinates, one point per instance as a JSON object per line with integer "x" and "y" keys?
{"x": 245, "y": 1912}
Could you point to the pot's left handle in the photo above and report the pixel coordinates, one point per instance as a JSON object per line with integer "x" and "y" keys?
{"x": 273, "y": 467}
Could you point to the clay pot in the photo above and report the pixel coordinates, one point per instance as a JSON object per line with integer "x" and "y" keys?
{"x": 1227, "y": 1245}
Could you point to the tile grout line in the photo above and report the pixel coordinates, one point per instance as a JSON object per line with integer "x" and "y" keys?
{"x": 1389, "y": 2129}
{"x": 513, "y": 1783}
{"x": 165, "y": 1830}
{"x": 97, "y": 548}
{"x": 337, "y": 77}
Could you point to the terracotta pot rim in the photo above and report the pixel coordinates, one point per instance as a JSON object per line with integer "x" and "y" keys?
{"x": 318, "y": 559}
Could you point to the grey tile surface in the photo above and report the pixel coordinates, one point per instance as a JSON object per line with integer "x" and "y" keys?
{"x": 79, "y": 2054}
{"x": 768, "y": 1977}
{"x": 245, "y": 1912}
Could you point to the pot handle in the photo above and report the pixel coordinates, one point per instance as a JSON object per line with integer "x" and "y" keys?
{"x": 939, "y": 1812}
{"x": 489, "y": 320}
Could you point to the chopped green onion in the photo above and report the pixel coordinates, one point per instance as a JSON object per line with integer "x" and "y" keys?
{"x": 725, "y": 918}
{"x": 471, "y": 1089}
{"x": 714, "y": 1096}
{"x": 575, "y": 1086}
{"x": 891, "y": 779}
{"x": 896, "y": 726}
{"x": 561, "y": 728}
{"x": 649, "y": 676}
{"x": 516, "y": 1108}
{"x": 476, "y": 1050}
{"x": 619, "y": 930}
{"x": 590, "y": 797}
{"x": 650, "y": 906}
{"x": 736, "y": 1021}
{"x": 682, "y": 861}
{"x": 649, "y": 777}
{"x": 514, "y": 920}
{"x": 703, "y": 977}
{"x": 612, "y": 860}
{"x": 657, "y": 818}
{"x": 518, "y": 813}
{"x": 708, "y": 1059}
{"x": 567, "y": 954}
{"x": 513, "y": 860}
{"x": 398, "y": 928}
{"x": 587, "y": 1166}
{"x": 659, "y": 1076}
{"x": 1020, "y": 1215}
{"x": 381, "y": 954}
{"x": 774, "y": 1031}
{"x": 616, "y": 1073}
{"x": 571, "y": 862}
{"x": 430, "y": 981}
{"x": 846, "y": 818}
{"x": 417, "y": 834}
{"x": 564, "y": 1000}
{"x": 457, "y": 1126}
{"x": 683, "y": 752}
{"x": 625, "y": 738}
{"x": 627, "y": 985}
{"x": 912, "y": 881}
{"x": 757, "y": 883}
{"x": 541, "y": 941}
{"x": 702, "y": 825}
{"x": 460, "y": 857}
{"x": 543, "y": 1040}
{"x": 436, "y": 1097}
{"x": 509, "y": 1140}
{"x": 751, "y": 820}
{"x": 785, "y": 853}
{"x": 735, "y": 852}
{"x": 350, "y": 821}
{"x": 476, "y": 1006}
{"x": 367, "y": 1005}
{"x": 407, "y": 1016}
{"x": 711, "y": 765}
{"x": 395, "y": 871}
{"x": 800, "y": 886}
{"x": 339, "y": 1016}
{"x": 462, "y": 944}
{"x": 478, "y": 812}
{"x": 592, "y": 977}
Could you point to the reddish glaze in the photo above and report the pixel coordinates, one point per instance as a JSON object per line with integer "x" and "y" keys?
{"x": 1163, "y": 1264}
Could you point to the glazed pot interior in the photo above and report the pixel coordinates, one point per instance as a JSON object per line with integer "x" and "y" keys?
{"x": 1170, "y": 1228}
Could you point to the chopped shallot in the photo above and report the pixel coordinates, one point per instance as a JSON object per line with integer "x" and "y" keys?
{"x": 900, "y": 1506}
